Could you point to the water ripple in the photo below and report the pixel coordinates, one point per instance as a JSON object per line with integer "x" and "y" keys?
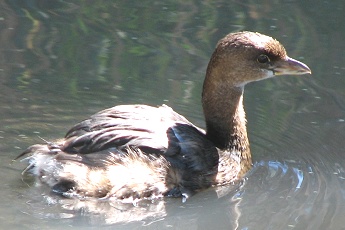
{"x": 292, "y": 194}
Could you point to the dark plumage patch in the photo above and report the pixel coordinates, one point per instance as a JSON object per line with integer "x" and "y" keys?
{"x": 193, "y": 156}
{"x": 63, "y": 187}
{"x": 275, "y": 49}
{"x": 263, "y": 43}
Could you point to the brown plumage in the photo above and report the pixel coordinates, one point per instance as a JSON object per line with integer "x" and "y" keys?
{"x": 132, "y": 152}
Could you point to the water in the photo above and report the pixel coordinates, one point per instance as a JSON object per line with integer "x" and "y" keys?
{"x": 63, "y": 61}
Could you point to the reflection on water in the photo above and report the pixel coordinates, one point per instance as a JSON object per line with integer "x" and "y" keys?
{"x": 200, "y": 211}
{"x": 63, "y": 61}
{"x": 275, "y": 195}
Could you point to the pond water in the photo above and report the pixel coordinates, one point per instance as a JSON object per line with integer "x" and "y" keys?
{"x": 62, "y": 61}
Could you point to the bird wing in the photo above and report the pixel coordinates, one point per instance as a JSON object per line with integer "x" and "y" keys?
{"x": 139, "y": 126}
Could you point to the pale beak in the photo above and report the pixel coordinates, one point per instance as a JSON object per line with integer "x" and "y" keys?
{"x": 290, "y": 66}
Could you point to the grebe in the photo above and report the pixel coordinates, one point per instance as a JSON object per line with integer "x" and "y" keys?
{"x": 131, "y": 152}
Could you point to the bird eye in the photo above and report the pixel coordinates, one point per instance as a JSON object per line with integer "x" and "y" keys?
{"x": 263, "y": 59}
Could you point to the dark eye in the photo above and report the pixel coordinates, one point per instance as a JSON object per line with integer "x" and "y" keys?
{"x": 263, "y": 59}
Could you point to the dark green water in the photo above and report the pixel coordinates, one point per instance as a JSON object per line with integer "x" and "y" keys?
{"x": 61, "y": 61}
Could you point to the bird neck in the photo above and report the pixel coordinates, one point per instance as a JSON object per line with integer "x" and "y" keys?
{"x": 226, "y": 128}
{"x": 225, "y": 117}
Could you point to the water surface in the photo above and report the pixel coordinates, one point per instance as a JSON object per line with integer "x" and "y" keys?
{"x": 63, "y": 61}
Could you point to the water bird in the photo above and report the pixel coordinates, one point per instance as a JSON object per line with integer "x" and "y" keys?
{"x": 133, "y": 152}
